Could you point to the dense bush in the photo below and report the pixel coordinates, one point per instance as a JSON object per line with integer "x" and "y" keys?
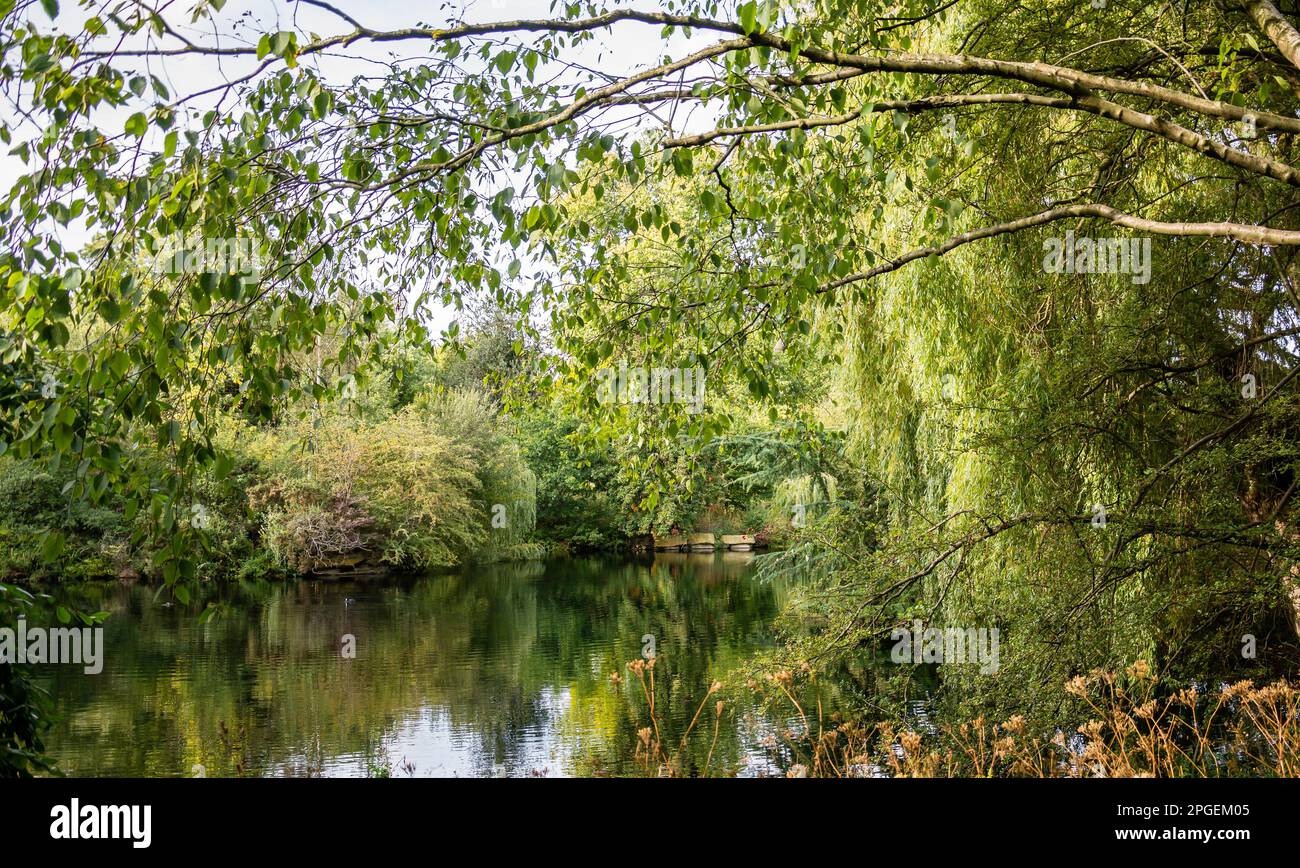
{"x": 28, "y": 494}
{"x": 32, "y": 503}
{"x": 396, "y": 493}
{"x": 577, "y": 489}
{"x": 419, "y": 489}
{"x": 507, "y": 487}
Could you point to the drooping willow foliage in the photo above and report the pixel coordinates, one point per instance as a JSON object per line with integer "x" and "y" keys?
{"x": 1099, "y": 464}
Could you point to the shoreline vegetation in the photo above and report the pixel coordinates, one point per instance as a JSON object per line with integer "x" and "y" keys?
{"x": 425, "y": 471}
{"x": 1130, "y": 725}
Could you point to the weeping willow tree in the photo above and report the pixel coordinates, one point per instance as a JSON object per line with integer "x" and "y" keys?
{"x": 507, "y": 490}
{"x": 1097, "y": 459}
{"x": 862, "y": 183}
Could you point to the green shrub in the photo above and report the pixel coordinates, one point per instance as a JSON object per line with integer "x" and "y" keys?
{"x": 577, "y": 488}
{"x": 396, "y": 492}
{"x": 31, "y": 504}
{"x": 507, "y": 487}
{"x": 28, "y": 494}
{"x": 261, "y": 565}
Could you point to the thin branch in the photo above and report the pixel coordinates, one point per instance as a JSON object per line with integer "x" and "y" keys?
{"x": 1237, "y": 231}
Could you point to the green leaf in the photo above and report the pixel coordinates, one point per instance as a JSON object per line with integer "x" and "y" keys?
{"x": 52, "y": 546}
{"x": 137, "y": 125}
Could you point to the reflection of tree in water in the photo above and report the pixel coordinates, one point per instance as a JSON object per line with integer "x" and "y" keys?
{"x": 503, "y": 656}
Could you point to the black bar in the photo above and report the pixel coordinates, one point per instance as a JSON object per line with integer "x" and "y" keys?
{"x": 328, "y": 818}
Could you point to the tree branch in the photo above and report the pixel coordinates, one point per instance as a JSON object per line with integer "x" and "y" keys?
{"x": 1281, "y": 32}
{"x": 1235, "y": 231}
{"x": 1168, "y": 130}
{"x": 1058, "y": 78}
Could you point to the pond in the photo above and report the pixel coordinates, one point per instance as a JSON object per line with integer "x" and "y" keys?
{"x": 500, "y": 670}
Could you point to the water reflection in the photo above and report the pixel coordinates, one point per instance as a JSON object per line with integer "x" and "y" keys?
{"x": 501, "y": 670}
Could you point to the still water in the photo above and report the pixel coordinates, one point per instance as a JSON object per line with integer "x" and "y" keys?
{"x": 501, "y": 670}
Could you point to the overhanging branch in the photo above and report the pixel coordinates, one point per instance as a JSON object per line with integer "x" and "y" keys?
{"x": 1235, "y": 231}
{"x": 1280, "y": 32}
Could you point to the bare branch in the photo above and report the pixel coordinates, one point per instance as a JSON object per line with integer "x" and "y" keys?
{"x": 1280, "y": 31}
{"x": 1058, "y": 78}
{"x": 1173, "y": 132}
{"x": 1235, "y": 231}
